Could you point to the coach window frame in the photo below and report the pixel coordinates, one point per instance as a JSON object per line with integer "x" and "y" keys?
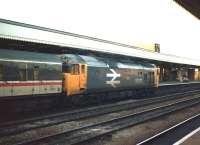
{"x": 10, "y": 71}
{"x": 36, "y": 70}
{"x": 1, "y": 72}
{"x": 23, "y": 72}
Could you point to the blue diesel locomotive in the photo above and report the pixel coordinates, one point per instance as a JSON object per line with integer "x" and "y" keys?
{"x": 28, "y": 73}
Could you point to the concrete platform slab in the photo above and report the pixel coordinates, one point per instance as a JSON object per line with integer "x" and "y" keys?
{"x": 193, "y": 138}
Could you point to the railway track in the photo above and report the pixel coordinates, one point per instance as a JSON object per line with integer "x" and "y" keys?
{"x": 20, "y": 107}
{"x": 85, "y": 133}
{"x": 98, "y": 128}
{"x": 175, "y": 133}
{"x": 14, "y": 127}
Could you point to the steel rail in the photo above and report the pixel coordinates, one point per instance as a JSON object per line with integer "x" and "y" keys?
{"x": 54, "y": 119}
{"x": 88, "y": 132}
{"x": 172, "y": 131}
{"x": 49, "y": 120}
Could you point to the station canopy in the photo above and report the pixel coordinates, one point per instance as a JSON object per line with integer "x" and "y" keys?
{"x": 10, "y": 30}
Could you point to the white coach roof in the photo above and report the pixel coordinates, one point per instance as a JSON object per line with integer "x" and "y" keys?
{"x": 31, "y": 33}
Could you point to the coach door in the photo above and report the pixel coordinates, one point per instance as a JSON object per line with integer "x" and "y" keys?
{"x": 75, "y": 78}
{"x": 157, "y": 76}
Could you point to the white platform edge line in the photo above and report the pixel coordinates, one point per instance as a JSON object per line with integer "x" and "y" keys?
{"x": 186, "y": 137}
{"x": 168, "y": 129}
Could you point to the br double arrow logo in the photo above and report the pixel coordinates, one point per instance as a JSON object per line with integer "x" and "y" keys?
{"x": 113, "y": 75}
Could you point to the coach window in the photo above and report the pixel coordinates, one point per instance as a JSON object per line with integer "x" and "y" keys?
{"x": 36, "y": 73}
{"x": 1, "y": 72}
{"x": 23, "y": 74}
{"x": 75, "y": 69}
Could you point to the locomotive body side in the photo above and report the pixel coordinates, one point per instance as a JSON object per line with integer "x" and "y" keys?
{"x": 28, "y": 73}
{"x": 109, "y": 74}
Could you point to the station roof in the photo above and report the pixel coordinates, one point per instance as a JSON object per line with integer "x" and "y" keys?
{"x": 193, "y": 6}
{"x": 29, "y": 33}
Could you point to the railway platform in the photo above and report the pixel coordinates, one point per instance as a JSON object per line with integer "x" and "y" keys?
{"x": 191, "y": 139}
{"x": 174, "y": 83}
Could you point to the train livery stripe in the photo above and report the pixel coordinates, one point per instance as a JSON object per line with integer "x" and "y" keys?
{"x": 32, "y": 83}
{"x": 20, "y": 88}
{"x": 28, "y": 61}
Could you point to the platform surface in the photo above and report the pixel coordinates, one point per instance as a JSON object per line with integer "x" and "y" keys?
{"x": 192, "y": 138}
{"x": 176, "y": 83}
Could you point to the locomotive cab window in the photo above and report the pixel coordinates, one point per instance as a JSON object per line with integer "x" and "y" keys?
{"x": 82, "y": 68}
{"x": 75, "y": 69}
{"x": 67, "y": 68}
